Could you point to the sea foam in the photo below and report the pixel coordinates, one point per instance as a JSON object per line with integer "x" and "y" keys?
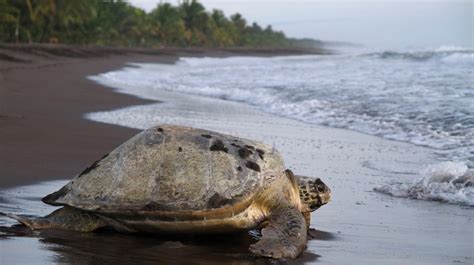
{"x": 451, "y": 182}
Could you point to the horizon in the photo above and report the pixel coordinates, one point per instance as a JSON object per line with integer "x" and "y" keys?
{"x": 425, "y": 24}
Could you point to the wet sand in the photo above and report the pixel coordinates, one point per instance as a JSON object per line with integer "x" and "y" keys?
{"x": 358, "y": 226}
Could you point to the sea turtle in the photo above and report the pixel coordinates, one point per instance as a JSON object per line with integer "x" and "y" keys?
{"x": 182, "y": 180}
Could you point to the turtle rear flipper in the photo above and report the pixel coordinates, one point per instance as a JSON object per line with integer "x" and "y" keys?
{"x": 32, "y": 223}
{"x": 66, "y": 218}
{"x": 284, "y": 236}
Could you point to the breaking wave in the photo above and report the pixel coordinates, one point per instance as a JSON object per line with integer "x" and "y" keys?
{"x": 447, "y": 181}
{"x": 446, "y": 54}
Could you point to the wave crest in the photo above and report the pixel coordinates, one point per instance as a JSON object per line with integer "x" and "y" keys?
{"x": 451, "y": 182}
{"x": 444, "y": 54}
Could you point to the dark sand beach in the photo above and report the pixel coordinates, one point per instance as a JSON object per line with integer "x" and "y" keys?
{"x": 43, "y": 134}
{"x": 44, "y": 137}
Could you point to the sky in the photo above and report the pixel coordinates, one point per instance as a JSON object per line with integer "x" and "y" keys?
{"x": 377, "y": 24}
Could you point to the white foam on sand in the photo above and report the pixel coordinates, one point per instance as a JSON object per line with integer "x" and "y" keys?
{"x": 449, "y": 182}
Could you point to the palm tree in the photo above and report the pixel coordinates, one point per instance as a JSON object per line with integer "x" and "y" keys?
{"x": 220, "y": 28}
{"x": 239, "y": 25}
{"x": 9, "y": 21}
{"x": 195, "y": 20}
{"x": 168, "y": 23}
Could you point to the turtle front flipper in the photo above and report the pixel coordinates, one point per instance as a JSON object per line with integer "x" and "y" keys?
{"x": 66, "y": 218}
{"x": 284, "y": 236}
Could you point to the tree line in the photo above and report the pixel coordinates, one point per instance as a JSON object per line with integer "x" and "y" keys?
{"x": 117, "y": 23}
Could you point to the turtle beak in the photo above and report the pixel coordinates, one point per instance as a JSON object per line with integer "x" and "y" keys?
{"x": 324, "y": 194}
{"x": 326, "y": 197}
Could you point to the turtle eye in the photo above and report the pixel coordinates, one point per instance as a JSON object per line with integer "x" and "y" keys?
{"x": 321, "y": 188}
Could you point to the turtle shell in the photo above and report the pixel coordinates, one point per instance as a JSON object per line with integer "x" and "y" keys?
{"x": 173, "y": 168}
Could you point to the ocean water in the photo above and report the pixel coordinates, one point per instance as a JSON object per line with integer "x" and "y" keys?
{"x": 424, "y": 97}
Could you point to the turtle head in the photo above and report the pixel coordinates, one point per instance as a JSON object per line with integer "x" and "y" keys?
{"x": 313, "y": 192}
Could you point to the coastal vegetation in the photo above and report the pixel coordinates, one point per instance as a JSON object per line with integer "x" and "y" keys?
{"x": 117, "y": 23}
